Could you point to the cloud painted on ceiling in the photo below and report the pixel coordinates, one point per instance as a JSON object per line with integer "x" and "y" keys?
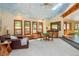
{"x": 30, "y": 10}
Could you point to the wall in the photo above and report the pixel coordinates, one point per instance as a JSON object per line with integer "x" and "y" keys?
{"x": 8, "y": 22}
{"x": 62, "y": 20}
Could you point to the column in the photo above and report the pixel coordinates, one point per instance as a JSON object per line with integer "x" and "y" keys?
{"x": 61, "y": 33}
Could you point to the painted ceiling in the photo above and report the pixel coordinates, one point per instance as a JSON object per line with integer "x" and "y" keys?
{"x": 34, "y": 10}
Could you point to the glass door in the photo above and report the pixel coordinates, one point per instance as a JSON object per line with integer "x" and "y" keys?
{"x": 27, "y": 27}
{"x": 17, "y": 27}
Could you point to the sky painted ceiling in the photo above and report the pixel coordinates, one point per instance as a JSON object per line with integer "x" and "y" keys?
{"x": 33, "y": 10}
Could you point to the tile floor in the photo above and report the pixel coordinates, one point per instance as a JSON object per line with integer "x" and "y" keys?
{"x": 57, "y": 47}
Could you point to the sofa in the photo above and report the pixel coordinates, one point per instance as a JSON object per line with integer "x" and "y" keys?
{"x": 16, "y": 43}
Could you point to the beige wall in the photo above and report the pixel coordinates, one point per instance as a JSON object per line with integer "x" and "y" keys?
{"x": 8, "y": 22}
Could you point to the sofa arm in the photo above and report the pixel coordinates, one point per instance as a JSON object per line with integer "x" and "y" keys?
{"x": 15, "y": 44}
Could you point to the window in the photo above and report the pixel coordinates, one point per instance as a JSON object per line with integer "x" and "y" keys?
{"x": 68, "y": 26}
{"x": 34, "y": 27}
{"x": 77, "y": 26}
{"x": 27, "y": 27}
{"x": 17, "y": 27}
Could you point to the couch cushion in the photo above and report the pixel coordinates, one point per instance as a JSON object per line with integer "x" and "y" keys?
{"x": 2, "y": 38}
{"x": 24, "y": 41}
{"x": 13, "y": 37}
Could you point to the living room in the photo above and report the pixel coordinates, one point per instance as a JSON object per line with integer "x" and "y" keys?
{"x": 31, "y": 26}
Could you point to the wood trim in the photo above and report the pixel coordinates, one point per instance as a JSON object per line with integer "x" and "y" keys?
{"x": 18, "y": 29}
{"x": 72, "y": 9}
{"x": 30, "y": 27}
